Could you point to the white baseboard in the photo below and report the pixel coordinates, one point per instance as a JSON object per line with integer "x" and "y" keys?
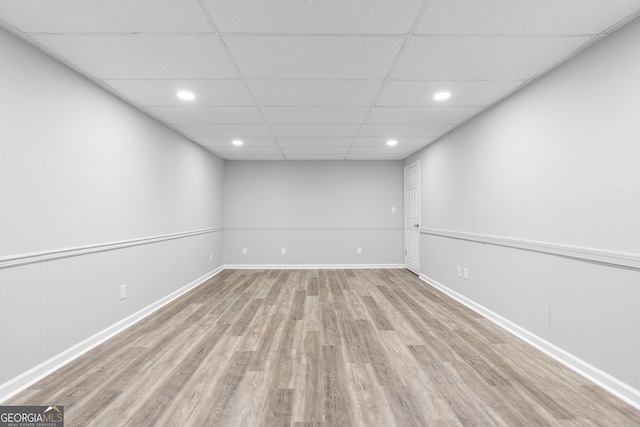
{"x": 593, "y": 374}
{"x": 309, "y": 266}
{"x": 21, "y": 382}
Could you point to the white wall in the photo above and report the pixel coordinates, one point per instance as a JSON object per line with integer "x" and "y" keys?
{"x": 539, "y": 198}
{"x": 320, "y": 211}
{"x": 93, "y": 194}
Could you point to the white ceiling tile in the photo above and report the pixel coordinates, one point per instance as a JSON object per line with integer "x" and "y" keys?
{"x": 243, "y": 150}
{"x": 402, "y": 141}
{"x": 302, "y": 57}
{"x": 425, "y": 115}
{"x": 99, "y": 16}
{"x": 314, "y": 142}
{"x": 162, "y": 93}
{"x": 143, "y": 56}
{"x": 208, "y": 115}
{"x": 315, "y": 92}
{"x": 226, "y": 142}
{"x": 314, "y": 130}
{"x": 376, "y": 156}
{"x": 383, "y": 150}
{"x": 524, "y": 16}
{"x": 224, "y": 131}
{"x": 315, "y": 156}
{"x": 464, "y": 93}
{"x": 315, "y": 115}
{"x": 315, "y": 150}
{"x": 252, "y": 156}
{"x": 482, "y": 57}
{"x": 398, "y": 131}
{"x": 319, "y": 17}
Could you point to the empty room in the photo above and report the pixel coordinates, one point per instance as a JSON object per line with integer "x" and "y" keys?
{"x": 319, "y": 213}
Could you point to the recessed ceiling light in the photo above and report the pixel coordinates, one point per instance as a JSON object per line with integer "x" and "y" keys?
{"x": 186, "y": 95}
{"x": 237, "y": 142}
{"x": 392, "y": 142}
{"x": 441, "y": 96}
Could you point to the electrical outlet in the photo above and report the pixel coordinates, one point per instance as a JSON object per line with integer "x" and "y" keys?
{"x": 244, "y": 251}
{"x": 283, "y": 251}
{"x": 466, "y": 273}
{"x": 210, "y": 256}
{"x": 459, "y": 271}
{"x": 358, "y": 250}
{"x": 393, "y": 209}
{"x": 123, "y": 291}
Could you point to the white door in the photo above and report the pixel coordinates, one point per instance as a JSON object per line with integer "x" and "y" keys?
{"x": 412, "y": 218}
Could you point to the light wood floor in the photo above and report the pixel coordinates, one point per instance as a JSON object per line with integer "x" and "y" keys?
{"x": 321, "y": 348}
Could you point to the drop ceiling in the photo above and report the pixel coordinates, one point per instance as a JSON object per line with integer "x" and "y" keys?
{"x": 313, "y": 79}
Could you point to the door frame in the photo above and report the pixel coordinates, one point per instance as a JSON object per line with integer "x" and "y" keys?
{"x": 404, "y": 220}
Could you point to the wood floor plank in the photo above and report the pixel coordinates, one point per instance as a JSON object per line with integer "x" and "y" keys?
{"x": 329, "y": 326}
{"x": 245, "y": 408}
{"x": 285, "y": 356}
{"x": 369, "y": 404}
{"x": 321, "y": 348}
{"x": 155, "y": 408}
{"x": 352, "y": 339}
{"x": 247, "y": 315}
{"x": 444, "y": 353}
{"x": 312, "y": 315}
{"x": 309, "y": 407}
{"x": 217, "y": 413}
{"x": 297, "y": 306}
{"x": 337, "y": 402}
{"x": 335, "y": 291}
{"x": 312, "y": 287}
{"x": 195, "y": 395}
{"x": 279, "y": 408}
{"x": 260, "y": 356}
{"x": 376, "y": 314}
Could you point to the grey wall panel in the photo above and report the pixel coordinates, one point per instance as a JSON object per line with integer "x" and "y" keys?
{"x": 509, "y": 282}
{"x": 594, "y": 315}
{"x": 314, "y": 246}
{"x": 587, "y": 309}
{"x": 322, "y": 211}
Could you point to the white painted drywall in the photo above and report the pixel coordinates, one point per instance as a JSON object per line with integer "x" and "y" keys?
{"x": 557, "y": 163}
{"x": 321, "y": 211}
{"x": 79, "y": 167}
